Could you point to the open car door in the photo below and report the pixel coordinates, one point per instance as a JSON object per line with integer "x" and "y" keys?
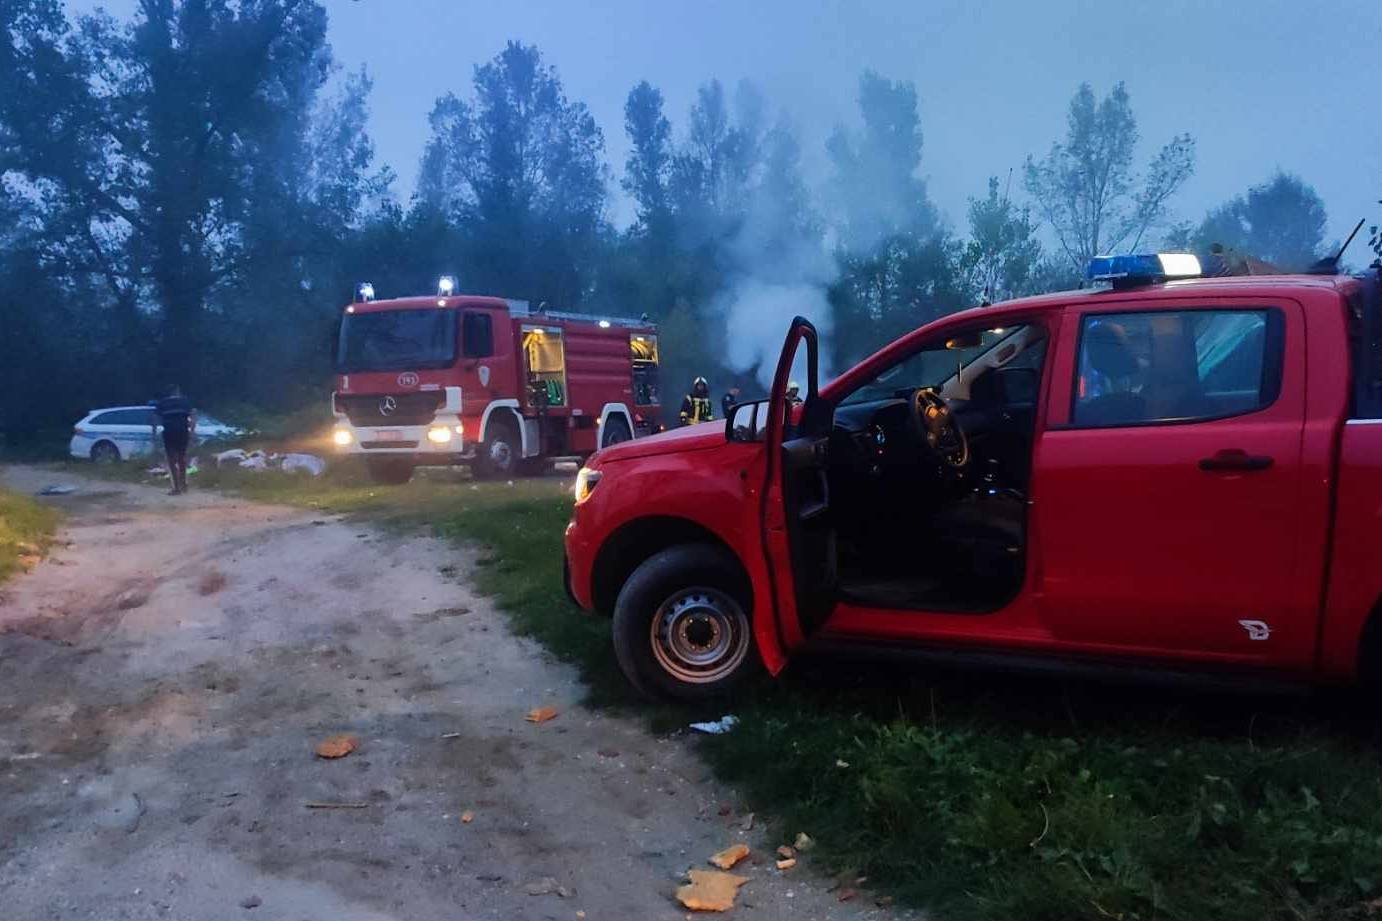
{"x": 798, "y": 533}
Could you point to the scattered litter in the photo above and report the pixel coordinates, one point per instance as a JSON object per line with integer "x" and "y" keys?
{"x": 308, "y": 462}
{"x": 467, "y": 817}
{"x": 710, "y": 890}
{"x": 541, "y": 714}
{"x": 27, "y": 756}
{"x": 718, "y": 727}
{"x": 747, "y": 824}
{"x": 157, "y": 470}
{"x": 510, "y": 483}
{"x": 787, "y": 864}
{"x": 731, "y": 855}
{"x": 193, "y": 468}
{"x": 452, "y": 735}
{"x": 548, "y": 886}
{"x": 232, "y": 457}
{"x": 337, "y": 746}
{"x": 786, "y": 852}
{"x": 57, "y": 489}
{"x": 841, "y": 763}
{"x": 255, "y": 462}
{"x": 804, "y": 842}
{"x": 335, "y": 805}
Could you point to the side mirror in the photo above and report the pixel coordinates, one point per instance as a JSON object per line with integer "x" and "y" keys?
{"x": 747, "y": 422}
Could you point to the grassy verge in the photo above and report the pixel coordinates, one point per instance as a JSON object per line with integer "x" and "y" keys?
{"x": 975, "y": 795}
{"x": 26, "y": 529}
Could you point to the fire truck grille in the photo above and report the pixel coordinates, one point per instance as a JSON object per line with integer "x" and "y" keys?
{"x": 391, "y": 409}
{"x": 394, "y": 445}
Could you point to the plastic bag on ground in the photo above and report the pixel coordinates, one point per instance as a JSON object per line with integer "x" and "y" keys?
{"x": 233, "y": 457}
{"x": 312, "y": 464}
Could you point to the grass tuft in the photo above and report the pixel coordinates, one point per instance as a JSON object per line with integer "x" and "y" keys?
{"x": 26, "y": 532}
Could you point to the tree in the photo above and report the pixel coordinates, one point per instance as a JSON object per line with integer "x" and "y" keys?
{"x": 1281, "y": 221}
{"x": 1086, "y": 188}
{"x": 1003, "y": 252}
{"x": 898, "y": 268}
{"x": 520, "y": 171}
{"x": 650, "y": 158}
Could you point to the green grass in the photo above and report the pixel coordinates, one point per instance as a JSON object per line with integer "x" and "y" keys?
{"x": 26, "y": 530}
{"x": 971, "y": 794}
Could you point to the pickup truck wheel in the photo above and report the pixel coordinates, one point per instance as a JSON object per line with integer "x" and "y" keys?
{"x": 389, "y": 470}
{"x": 681, "y": 625}
{"x": 500, "y": 454}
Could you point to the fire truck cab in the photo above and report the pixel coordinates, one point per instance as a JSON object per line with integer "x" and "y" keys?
{"x": 486, "y": 381}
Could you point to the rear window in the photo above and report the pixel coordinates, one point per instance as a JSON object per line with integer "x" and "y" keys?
{"x": 1176, "y": 366}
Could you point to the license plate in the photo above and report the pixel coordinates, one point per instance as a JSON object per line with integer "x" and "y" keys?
{"x": 388, "y": 435}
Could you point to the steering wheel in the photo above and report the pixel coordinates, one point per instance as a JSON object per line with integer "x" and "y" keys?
{"x": 937, "y": 426}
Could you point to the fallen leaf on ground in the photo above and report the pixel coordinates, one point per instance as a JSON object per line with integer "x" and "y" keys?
{"x": 29, "y": 560}
{"x": 710, "y": 890}
{"x": 467, "y": 817}
{"x": 787, "y": 864}
{"x": 786, "y": 852}
{"x": 337, "y": 746}
{"x": 541, "y": 714}
{"x": 804, "y": 842}
{"x": 731, "y": 855}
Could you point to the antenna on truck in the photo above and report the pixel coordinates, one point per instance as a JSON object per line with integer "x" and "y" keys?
{"x": 1329, "y": 265}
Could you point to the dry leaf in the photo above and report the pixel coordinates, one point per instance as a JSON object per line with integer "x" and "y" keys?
{"x": 731, "y": 855}
{"x": 710, "y": 890}
{"x": 786, "y": 853}
{"x": 337, "y": 746}
{"x": 467, "y": 817}
{"x": 541, "y": 714}
{"x": 787, "y": 864}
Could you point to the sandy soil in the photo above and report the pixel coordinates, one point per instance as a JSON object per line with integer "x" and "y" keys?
{"x": 165, "y": 676}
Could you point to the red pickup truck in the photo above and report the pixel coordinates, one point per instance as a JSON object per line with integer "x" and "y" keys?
{"x": 1172, "y": 474}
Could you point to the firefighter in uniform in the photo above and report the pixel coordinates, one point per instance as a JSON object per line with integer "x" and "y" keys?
{"x": 696, "y": 406}
{"x": 793, "y": 393}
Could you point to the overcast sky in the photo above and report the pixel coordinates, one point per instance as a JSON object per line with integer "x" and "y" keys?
{"x": 1261, "y": 85}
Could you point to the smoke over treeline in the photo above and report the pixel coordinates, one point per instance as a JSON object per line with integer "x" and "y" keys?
{"x": 184, "y": 197}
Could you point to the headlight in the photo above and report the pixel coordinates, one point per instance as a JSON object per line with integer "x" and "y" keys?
{"x": 586, "y": 481}
{"x": 342, "y": 437}
{"x": 439, "y": 434}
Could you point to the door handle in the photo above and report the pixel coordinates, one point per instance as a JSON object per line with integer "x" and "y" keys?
{"x": 1235, "y": 459}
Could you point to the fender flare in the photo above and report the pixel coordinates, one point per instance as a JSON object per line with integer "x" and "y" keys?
{"x": 511, "y": 405}
{"x": 615, "y": 409}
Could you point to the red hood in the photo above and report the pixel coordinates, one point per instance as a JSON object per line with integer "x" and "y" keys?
{"x": 686, "y": 438}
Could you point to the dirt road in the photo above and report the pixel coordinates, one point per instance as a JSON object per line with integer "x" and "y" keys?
{"x": 164, "y": 677}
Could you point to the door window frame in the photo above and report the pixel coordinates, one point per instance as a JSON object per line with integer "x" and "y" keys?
{"x": 1273, "y": 361}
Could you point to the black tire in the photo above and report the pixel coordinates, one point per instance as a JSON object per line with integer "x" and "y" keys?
{"x": 616, "y": 429}
{"x": 500, "y": 456}
{"x": 392, "y": 471}
{"x": 105, "y": 452}
{"x": 683, "y": 625}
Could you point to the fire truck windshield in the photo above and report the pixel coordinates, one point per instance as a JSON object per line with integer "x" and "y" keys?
{"x": 397, "y": 340}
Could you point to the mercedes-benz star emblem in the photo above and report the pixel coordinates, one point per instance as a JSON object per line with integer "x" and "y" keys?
{"x": 387, "y": 406}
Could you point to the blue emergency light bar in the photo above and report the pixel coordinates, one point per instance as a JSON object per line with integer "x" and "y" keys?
{"x": 1143, "y": 268}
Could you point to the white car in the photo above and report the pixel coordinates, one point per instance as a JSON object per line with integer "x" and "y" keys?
{"x": 121, "y": 432}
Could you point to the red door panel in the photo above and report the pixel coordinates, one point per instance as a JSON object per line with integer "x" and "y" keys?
{"x": 1174, "y": 538}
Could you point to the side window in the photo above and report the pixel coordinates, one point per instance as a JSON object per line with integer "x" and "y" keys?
{"x": 111, "y": 418}
{"x": 1176, "y": 366}
{"x": 477, "y": 335}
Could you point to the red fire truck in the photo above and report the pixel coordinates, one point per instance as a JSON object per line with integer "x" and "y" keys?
{"x": 485, "y": 381}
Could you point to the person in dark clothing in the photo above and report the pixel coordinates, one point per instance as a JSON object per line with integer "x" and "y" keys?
{"x": 728, "y": 401}
{"x": 696, "y": 406}
{"x": 174, "y": 413}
